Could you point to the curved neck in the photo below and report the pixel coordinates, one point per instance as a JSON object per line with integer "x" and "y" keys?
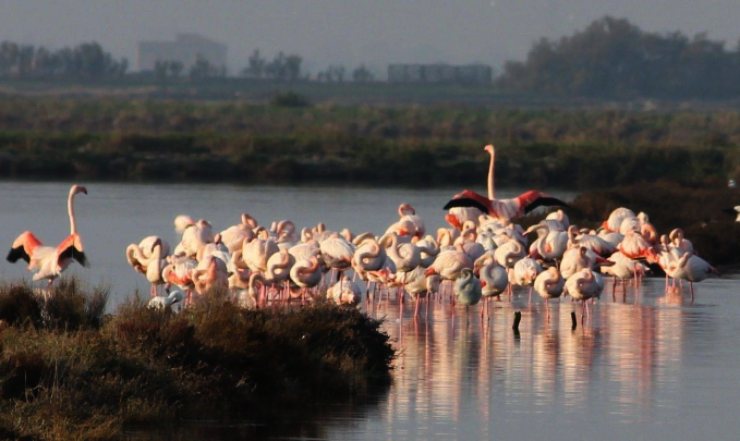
{"x": 71, "y": 211}
{"x": 491, "y": 188}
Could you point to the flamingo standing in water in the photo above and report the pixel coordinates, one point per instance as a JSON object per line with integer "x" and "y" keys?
{"x": 690, "y": 267}
{"x": 583, "y": 285}
{"x": 50, "y": 262}
{"x": 505, "y": 209}
{"x": 549, "y": 285}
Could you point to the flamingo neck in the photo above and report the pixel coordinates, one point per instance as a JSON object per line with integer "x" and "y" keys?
{"x": 491, "y": 188}
{"x": 71, "y": 212}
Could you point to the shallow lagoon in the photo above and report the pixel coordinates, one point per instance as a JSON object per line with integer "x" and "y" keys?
{"x": 648, "y": 366}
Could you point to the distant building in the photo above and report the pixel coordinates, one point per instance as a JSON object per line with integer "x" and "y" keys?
{"x": 440, "y": 73}
{"x": 186, "y": 49}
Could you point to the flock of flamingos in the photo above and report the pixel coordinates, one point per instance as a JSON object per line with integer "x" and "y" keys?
{"x": 480, "y": 256}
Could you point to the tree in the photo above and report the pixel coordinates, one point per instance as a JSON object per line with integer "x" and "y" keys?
{"x": 362, "y": 74}
{"x": 256, "y": 66}
{"x": 614, "y": 58}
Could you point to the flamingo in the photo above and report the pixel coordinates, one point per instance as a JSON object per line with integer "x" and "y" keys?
{"x": 549, "y": 285}
{"x": 647, "y": 229}
{"x": 337, "y": 252}
{"x": 615, "y": 219}
{"x": 278, "y": 268}
{"x": 154, "y": 267}
{"x": 550, "y": 244}
{"x": 468, "y": 240}
{"x": 623, "y": 268}
{"x": 178, "y": 272}
{"x": 306, "y": 273}
{"x": 256, "y": 253}
{"x": 405, "y": 256}
{"x": 210, "y": 274}
{"x": 493, "y": 277}
{"x": 428, "y": 250}
{"x": 525, "y": 272}
{"x": 194, "y": 236}
{"x": 506, "y": 209}
{"x": 234, "y": 236}
{"x": 583, "y": 285}
{"x": 418, "y": 284}
{"x": 142, "y": 259}
{"x": 509, "y": 253}
{"x": 450, "y": 263}
{"x": 576, "y": 259}
{"x": 595, "y": 243}
{"x": 409, "y": 223}
{"x": 635, "y": 246}
{"x": 690, "y": 267}
{"x": 467, "y": 288}
{"x": 344, "y": 292}
{"x": 682, "y": 244}
{"x": 49, "y": 262}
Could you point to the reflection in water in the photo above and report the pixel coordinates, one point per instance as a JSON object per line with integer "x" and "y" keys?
{"x": 462, "y": 377}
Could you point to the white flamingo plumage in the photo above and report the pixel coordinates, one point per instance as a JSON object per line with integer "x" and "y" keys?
{"x": 584, "y": 285}
{"x": 549, "y": 285}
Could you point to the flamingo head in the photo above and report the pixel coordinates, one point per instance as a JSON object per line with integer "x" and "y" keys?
{"x": 77, "y": 189}
{"x": 406, "y": 209}
{"x": 490, "y": 149}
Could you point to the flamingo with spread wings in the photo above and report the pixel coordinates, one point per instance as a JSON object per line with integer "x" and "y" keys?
{"x": 49, "y": 262}
{"x": 506, "y": 209}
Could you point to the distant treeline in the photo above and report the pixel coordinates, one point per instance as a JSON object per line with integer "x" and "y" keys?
{"x": 614, "y": 58}
{"x": 138, "y": 139}
{"x": 87, "y": 61}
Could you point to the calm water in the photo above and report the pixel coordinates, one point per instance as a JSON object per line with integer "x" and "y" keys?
{"x": 648, "y": 366}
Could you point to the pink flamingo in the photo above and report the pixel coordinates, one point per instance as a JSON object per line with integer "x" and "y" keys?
{"x": 50, "y": 262}
{"x": 506, "y": 209}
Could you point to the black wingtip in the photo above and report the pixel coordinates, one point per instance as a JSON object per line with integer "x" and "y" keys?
{"x": 81, "y": 258}
{"x": 17, "y": 253}
{"x": 464, "y": 202}
{"x": 545, "y": 201}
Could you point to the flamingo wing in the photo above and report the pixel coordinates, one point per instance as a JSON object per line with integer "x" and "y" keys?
{"x": 469, "y": 198}
{"x": 543, "y": 201}
{"x": 71, "y": 248}
{"x": 18, "y": 253}
{"x": 23, "y": 247}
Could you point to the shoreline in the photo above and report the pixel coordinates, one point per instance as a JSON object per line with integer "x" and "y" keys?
{"x": 73, "y": 372}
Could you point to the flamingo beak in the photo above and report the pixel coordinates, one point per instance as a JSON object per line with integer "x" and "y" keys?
{"x": 453, "y": 221}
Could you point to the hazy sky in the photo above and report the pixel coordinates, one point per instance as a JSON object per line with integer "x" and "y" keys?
{"x": 351, "y": 32}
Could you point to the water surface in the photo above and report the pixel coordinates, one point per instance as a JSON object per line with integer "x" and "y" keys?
{"x": 647, "y": 366}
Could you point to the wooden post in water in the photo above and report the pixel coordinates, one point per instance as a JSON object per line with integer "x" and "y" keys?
{"x": 573, "y": 321}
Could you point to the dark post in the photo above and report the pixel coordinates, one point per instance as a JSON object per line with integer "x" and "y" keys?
{"x": 517, "y": 319}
